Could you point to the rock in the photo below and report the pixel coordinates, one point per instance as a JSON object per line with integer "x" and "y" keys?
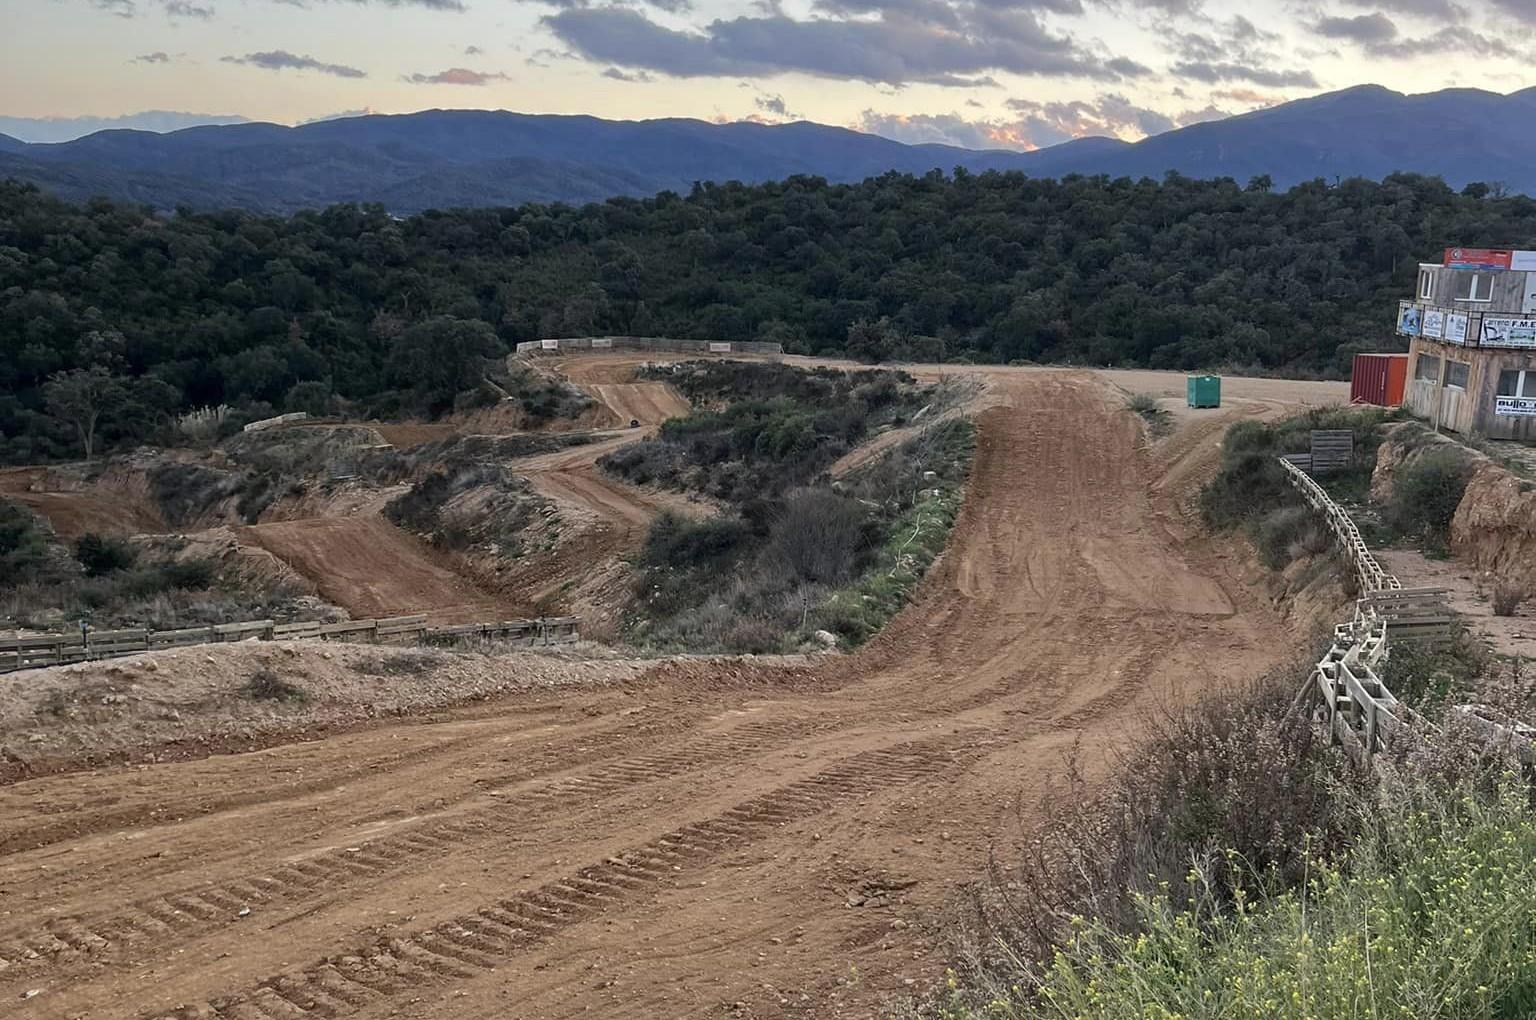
{"x": 151, "y": 666}
{"x": 825, "y": 638}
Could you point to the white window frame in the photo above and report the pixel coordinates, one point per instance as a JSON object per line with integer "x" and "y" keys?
{"x": 1476, "y": 279}
{"x": 1523, "y": 377}
{"x": 1426, "y": 284}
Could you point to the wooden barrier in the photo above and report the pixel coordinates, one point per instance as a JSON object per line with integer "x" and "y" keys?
{"x": 20, "y": 653}
{"x": 1359, "y": 711}
{"x": 647, "y": 343}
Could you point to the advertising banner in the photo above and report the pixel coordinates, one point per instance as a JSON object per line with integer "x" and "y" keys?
{"x": 602, "y": 341}
{"x": 1478, "y": 258}
{"x": 1433, "y": 323}
{"x": 1515, "y": 407}
{"x": 1409, "y": 318}
{"x": 1524, "y": 260}
{"x": 1498, "y": 332}
{"x": 1456, "y": 327}
{"x": 719, "y": 348}
{"x": 549, "y": 345}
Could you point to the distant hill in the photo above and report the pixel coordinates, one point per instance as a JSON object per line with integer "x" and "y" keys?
{"x": 441, "y": 158}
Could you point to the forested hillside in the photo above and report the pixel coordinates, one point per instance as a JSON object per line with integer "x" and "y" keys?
{"x": 394, "y": 314}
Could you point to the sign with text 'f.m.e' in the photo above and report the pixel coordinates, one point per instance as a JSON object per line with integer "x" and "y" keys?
{"x": 1501, "y": 332}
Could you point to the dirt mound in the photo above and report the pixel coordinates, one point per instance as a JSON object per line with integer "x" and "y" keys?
{"x": 373, "y": 569}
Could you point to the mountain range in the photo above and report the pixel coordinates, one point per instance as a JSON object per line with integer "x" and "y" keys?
{"x": 443, "y": 158}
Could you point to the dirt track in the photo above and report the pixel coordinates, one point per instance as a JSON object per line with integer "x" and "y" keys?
{"x": 765, "y": 840}
{"x": 373, "y": 568}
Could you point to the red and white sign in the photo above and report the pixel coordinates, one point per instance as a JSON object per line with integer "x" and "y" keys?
{"x": 1478, "y": 258}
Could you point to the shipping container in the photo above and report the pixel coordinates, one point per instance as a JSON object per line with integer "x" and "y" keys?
{"x": 1204, "y": 391}
{"x": 1378, "y": 379}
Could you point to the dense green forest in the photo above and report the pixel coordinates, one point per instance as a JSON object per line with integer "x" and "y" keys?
{"x": 113, "y": 319}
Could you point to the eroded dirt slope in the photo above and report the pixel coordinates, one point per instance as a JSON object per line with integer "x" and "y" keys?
{"x": 763, "y": 839}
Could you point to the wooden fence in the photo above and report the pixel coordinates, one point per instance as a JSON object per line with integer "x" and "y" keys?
{"x": 1344, "y": 688}
{"x": 56, "y": 649}
{"x": 648, "y": 343}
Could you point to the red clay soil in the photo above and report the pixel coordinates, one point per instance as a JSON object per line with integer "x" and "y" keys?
{"x": 373, "y": 569}
{"x": 763, "y": 840}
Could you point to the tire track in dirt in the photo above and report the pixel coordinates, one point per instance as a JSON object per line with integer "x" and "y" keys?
{"x": 174, "y": 916}
{"x": 371, "y": 976}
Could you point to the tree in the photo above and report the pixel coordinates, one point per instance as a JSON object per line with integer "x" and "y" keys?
{"x": 82, "y": 397}
{"x": 440, "y": 357}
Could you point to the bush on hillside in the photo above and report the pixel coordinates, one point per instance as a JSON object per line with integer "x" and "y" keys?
{"x": 1425, "y": 493}
{"x": 1428, "y": 916}
{"x": 1239, "y": 774}
{"x": 100, "y": 555}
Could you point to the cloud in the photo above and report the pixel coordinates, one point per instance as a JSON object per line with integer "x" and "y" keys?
{"x": 928, "y": 129}
{"x": 456, "y": 76}
{"x": 121, "y": 8}
{"x": 342, "y": 115}
{"x": 894, "y": 49}
{"x": 473, "y": 51}
{"x": 184, "y": 9}
{"x": 157, "y": 57}
{"x": 1363, "y": 28}
{"x": 1447, "y": 11}
{"x": 630, "y": 76}
{"x": 1214, "y": 73}
{"x": 1450, "y": 39}
{"x": 282, "y": 60}
{"x": 773, "y": 104}
{"x": 1037, "y": 125}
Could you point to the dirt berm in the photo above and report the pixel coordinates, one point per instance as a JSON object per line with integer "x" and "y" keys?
{"x": 762, "y": 839}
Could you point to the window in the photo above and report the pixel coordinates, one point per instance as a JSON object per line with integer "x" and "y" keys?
{"x": 1427, "y": 368}
{"x": 1426, "y": 284}
{"x": 1514, "y": 383}
{"x": 1456, "y": 374}
{"x": 1474, "y": 287}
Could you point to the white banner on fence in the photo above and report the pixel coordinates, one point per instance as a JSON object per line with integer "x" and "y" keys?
{"x": 719, "y": 348}
{"x": 1498, "y": 332}
{"x": 1515, "y": 407}
{"x": 602, "y": 341}
{"x": 549, "y": 345}
{"x": 1456, "y": 327}
{"x": 1434, "y": 323}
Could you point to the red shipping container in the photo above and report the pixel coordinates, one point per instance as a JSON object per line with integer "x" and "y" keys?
{"x": 1378, "y": 379}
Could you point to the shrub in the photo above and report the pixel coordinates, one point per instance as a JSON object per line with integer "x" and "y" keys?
{"x": 1288, "y": 534}
{"x": 819, "y": 535}
{"x": 265, "y": 685}
{"x": 1159, "y": 420}
{"x": 101, "y": 555}
{"x": 1425, "y": 493}
{"x": 1242, "y": 773}
{"x": 1429, "y": 918}
{"x": 1507, "y": 597}
{"x": 1247, "y": 485}
{"x": 678, "y": 541}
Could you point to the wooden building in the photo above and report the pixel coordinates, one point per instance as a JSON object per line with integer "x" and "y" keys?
{"x": 1472, "y": 342}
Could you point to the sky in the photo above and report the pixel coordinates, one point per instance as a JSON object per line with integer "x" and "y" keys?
{"x": 978, "y": 73}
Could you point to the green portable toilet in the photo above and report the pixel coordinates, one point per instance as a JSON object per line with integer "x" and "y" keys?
{"x": 1205, "y": 391}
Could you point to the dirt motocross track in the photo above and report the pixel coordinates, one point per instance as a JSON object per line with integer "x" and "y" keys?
{"x": 757, "y": 839}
